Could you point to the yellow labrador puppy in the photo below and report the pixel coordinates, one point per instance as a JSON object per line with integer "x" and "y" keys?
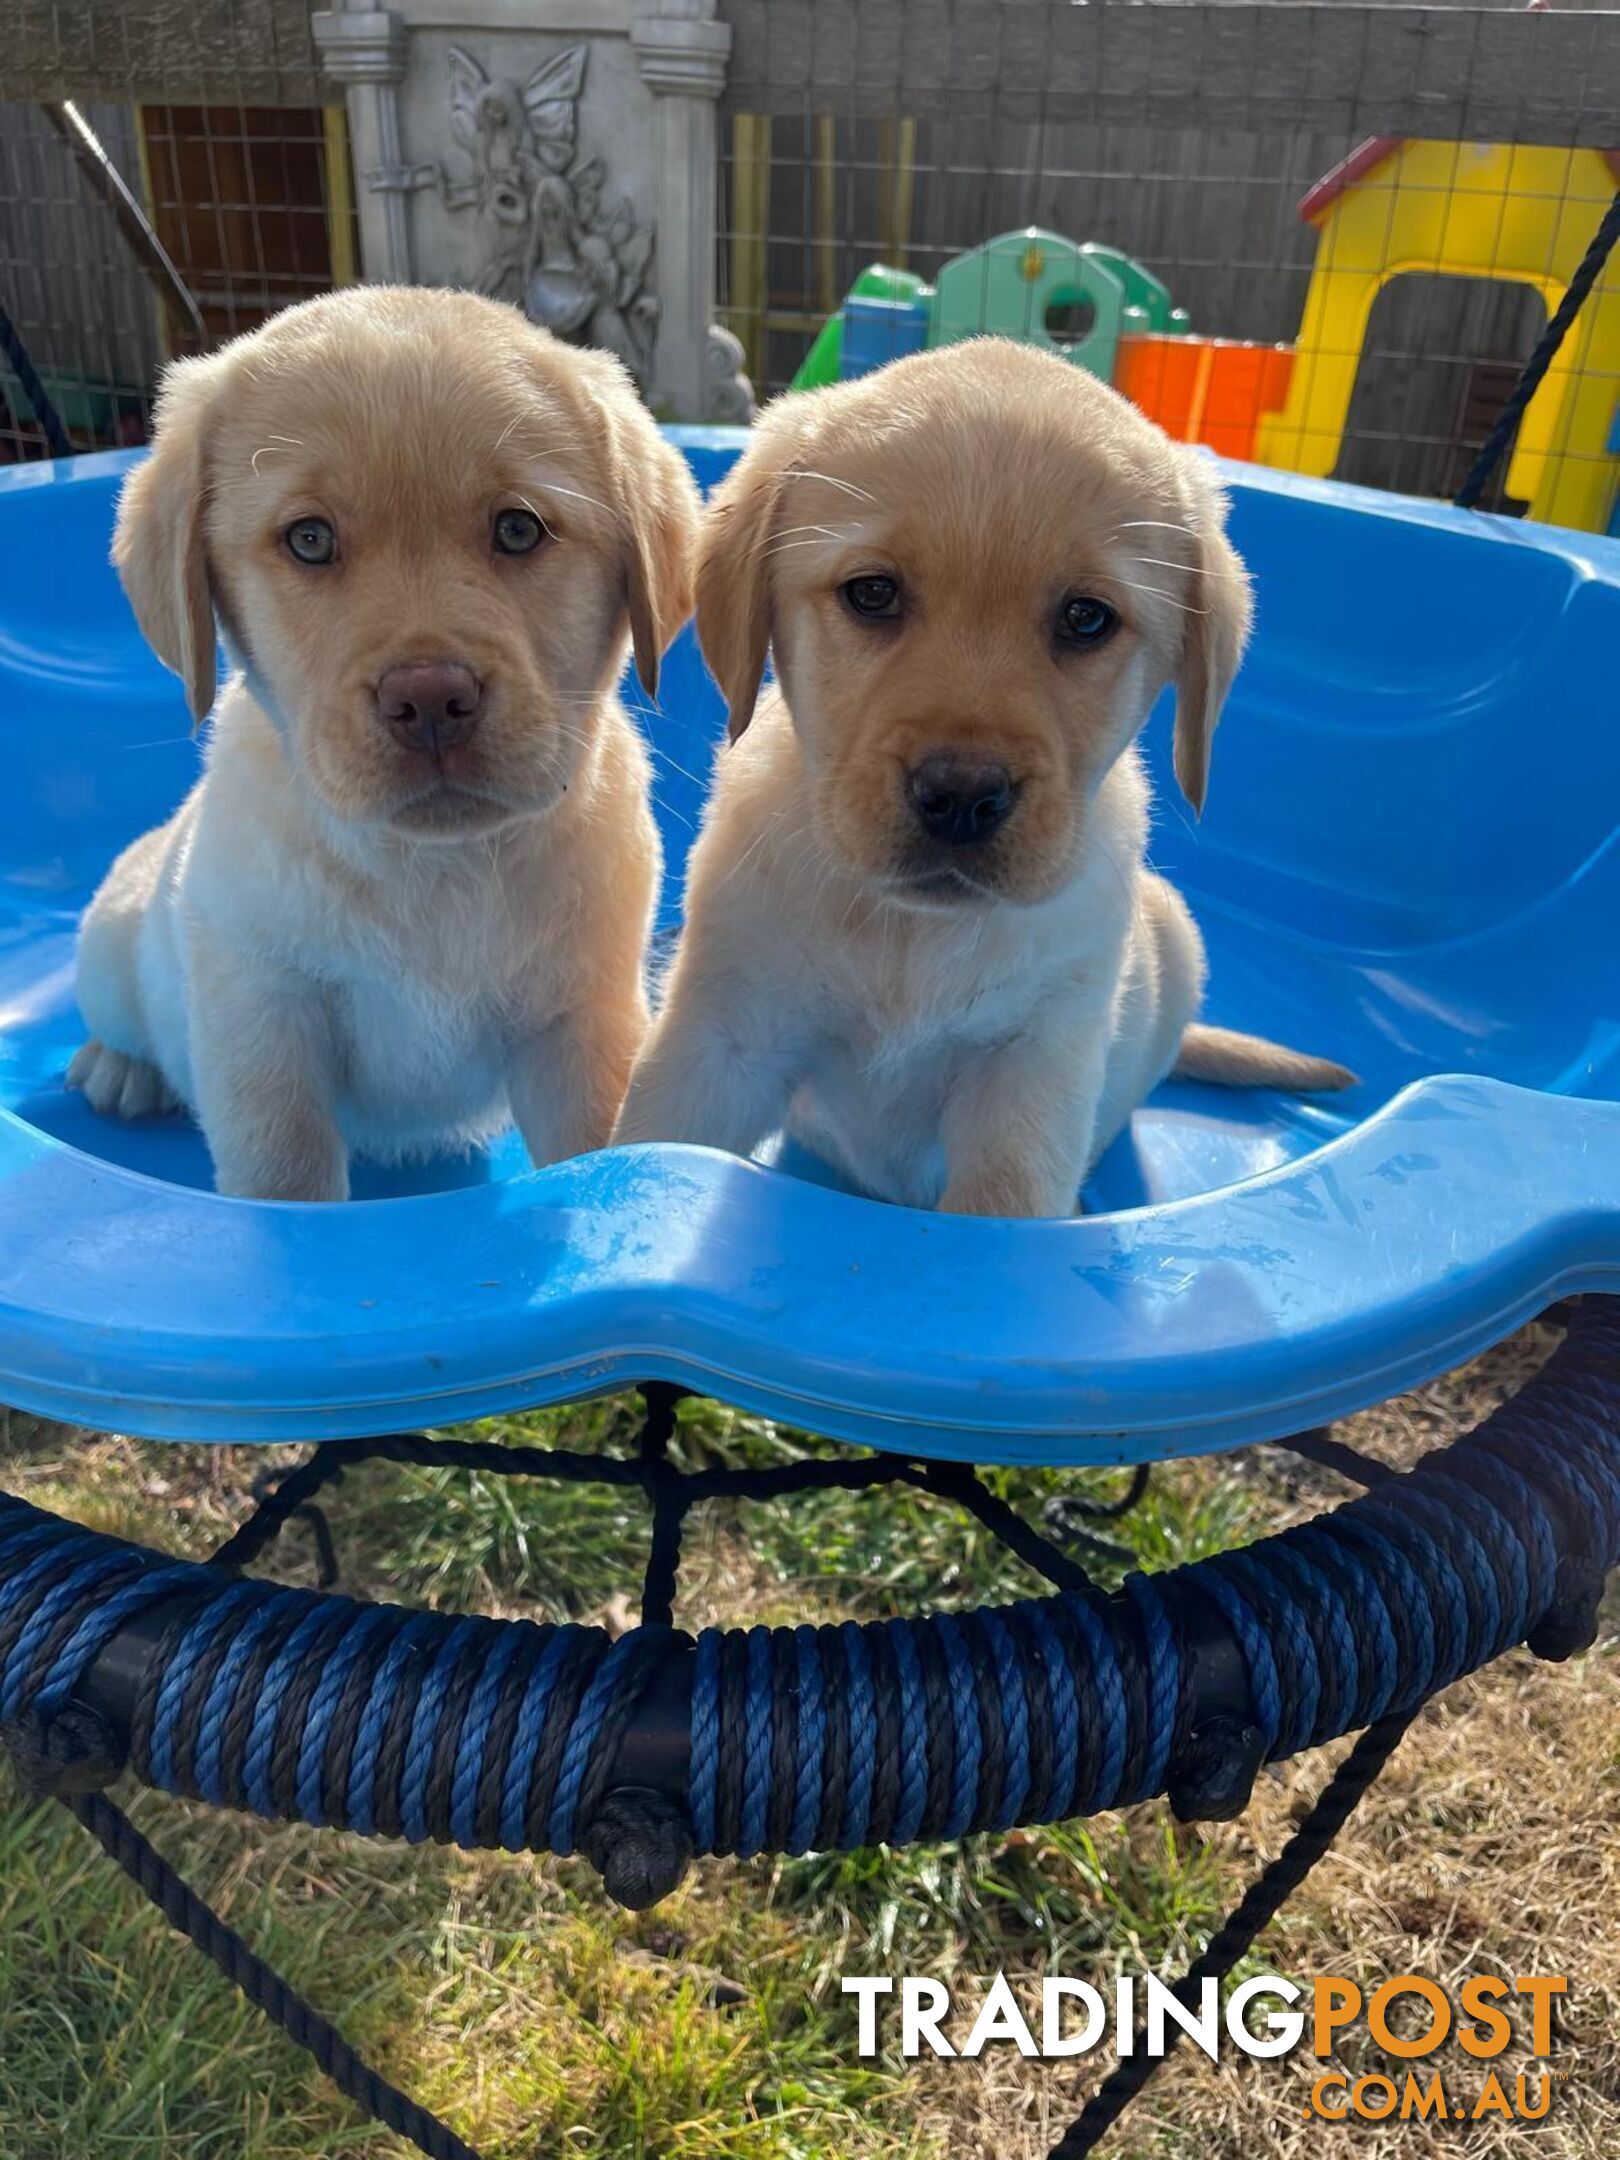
{"x": 409, "y": 898}
{"x": 919, "y": 925}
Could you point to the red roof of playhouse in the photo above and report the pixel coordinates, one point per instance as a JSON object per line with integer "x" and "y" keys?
{"x": 1367, "y": 157}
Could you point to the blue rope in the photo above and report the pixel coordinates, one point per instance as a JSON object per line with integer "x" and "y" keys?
{"x": 862, "y": 1739}
{"x": 1110, "y": 1685}
{"x": 67, "y": 1667}
{"x": 1251, "y": 1588}
{"x": 759, "y": 1743}
{"x": 913, "y": 1736}
{"x": 26, "y": 1533}
{"x": 1410, "y": 1600}
{"x": 589, "y": 1720}
{"x": 1013, "y": 1684}
{"x": 1163, "y": 1676}
{"x": 967, "y": 1748}
{"x": 360, "y": 1799}
{"x": 475, "y": 1735}
{"x": 812, "y": 1748}
{"x": 216, "y": 1703}
{"x": 181, "y": 1670}
{"x": 439, "y": 1692}
{"x": 1340, "y": 1575}
{"x": 1443, "y": 1585}
{"x": 1265, "y": 1688}
{"x": 91, "y": 1574}
{"x": 1319, "y": 1599}
{"x": 283, "y": 1669}
{"x": 702, "y": 1777}
{"x": 312, "y": 1800}
{"x": 533, "y": 1718}
{"x": 324, "y": 1709}
{"x": 1065, "y": 1713}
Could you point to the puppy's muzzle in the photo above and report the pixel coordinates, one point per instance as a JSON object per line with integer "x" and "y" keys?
{"x": 429, "y": 705}
{"x": 960, "y": 802}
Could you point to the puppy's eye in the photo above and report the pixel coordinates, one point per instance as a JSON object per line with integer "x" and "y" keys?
{"x": 517, "y": 532}
{"x": 311, "y": 540}
{"x": 1083, "y": 621}
{"x": 873, "y": 596}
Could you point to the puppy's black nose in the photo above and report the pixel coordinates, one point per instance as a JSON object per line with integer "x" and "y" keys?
{"x": 959, "y": 800}
{"x": 430, "y": 704}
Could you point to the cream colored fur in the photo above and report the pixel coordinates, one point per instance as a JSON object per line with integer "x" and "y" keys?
{"x": 977, "y": 1049}
{"x": 334, "y": 946}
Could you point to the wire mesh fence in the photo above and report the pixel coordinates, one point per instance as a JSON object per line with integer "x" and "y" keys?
{"x": 233, "y": 210}
{"x": 169, "y": 176}
{"x": 1324, "y": 236}
{"x": 78, "y": 303}
{"x": 1212, "y": 213}
{"x": 1355, "y": 220}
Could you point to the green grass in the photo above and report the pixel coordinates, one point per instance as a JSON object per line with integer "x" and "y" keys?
{"x": 506, "y": 1993}
{"x": 472, "y": 1540}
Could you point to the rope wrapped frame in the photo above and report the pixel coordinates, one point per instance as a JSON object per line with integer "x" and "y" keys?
{"x": 312, "y": 1706}
{"x": 379, "y": 1718}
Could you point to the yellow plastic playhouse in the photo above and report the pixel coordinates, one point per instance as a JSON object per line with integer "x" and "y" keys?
{"x": 1464, "y": 210}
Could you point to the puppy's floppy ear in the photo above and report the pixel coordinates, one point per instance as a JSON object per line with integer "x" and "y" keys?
{"x": 733, "y": 570}
{"x": 1215, "y": 634}
{"x": 159, "y": 547}
{"x": 663, "y": 534}
{"x": 657, "y": 503}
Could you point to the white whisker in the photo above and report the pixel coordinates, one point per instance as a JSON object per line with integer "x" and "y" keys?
{"x": 669, "y": 810}
{"x": 783, "y": 547}
{"x": 539, "y": 515}
{"x": 574, "y": 494}
{"x": 855, "y": 895}
{"x": 847, "y": 487}
{"x": 686, "y": 774}
{"x": 768, "y": 546}
{"x": 766, "y": 832}
{"x": 1159, "y": 593}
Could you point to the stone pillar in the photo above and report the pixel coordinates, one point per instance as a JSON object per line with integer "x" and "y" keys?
{"x": 364, "y": 49}
{"x": 559, "y": 154}
{"x": 682, "y": 53}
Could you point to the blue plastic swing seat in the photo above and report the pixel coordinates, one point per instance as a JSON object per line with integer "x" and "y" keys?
{"x": 1410, "y": 862}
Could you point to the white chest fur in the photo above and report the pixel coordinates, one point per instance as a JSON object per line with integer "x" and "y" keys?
{"x": 914, "y": 1001}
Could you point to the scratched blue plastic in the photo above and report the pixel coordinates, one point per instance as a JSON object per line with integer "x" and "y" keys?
{"x": 1410, "y": 861}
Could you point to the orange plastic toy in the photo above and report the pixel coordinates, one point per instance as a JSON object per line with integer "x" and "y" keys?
{"x": 1205, "y": 390}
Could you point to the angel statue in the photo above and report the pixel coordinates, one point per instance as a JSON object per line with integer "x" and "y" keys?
{"x": 549, "y": 240}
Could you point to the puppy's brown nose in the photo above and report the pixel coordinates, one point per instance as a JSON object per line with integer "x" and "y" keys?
{"x": 430, "y": 704}
{"x": 960, "y": 801}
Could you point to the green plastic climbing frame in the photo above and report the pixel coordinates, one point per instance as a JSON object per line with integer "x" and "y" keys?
{"x": 1036, "y": 287}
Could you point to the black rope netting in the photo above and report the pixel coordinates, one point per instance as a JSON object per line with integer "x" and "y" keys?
{"x": 67, "y": 1752}
{"x": 418, "y": 1724}
{"x": 70, "y": 1756}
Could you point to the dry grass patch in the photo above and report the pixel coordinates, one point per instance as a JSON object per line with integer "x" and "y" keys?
{"x": 541, "y": 2022}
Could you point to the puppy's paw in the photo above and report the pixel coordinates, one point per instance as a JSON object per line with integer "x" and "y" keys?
{"x": 1014, "y": 1183}
{"x": 119, "y": 1085}
{"x": 1005, "y": 1193}
{"x": 300, "y": 1157}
